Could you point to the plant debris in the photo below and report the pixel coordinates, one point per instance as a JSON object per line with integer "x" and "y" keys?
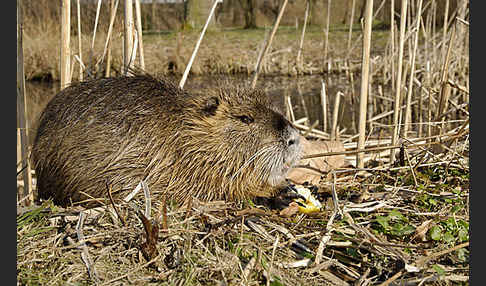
{"x": 403, "y": 230}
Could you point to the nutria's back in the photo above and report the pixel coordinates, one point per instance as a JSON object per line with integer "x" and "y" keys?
{"x": 230, "y": 144}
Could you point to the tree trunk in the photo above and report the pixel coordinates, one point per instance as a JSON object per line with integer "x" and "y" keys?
{"x": 249, "y": 7}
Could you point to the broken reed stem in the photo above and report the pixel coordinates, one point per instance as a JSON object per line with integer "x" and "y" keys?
{"x": 138, "y": 14}
{"x": 84, "y": 249}
{"x": 422, "y": 261}
{"x": 128, "y": 35}
{"x": 445, "y": 87}
{"x": 364, "y": 81}
{"x": 112, "y": 8}
{"x": 80, "y": 54}
{"x": 28, "y": 196}
{"x": 350, "y": 32}
{"x": 65, "y": 43}
{"x": 109, "y": 188}
{"x": 311, "y": 128}
{"x": 107, "y": 47}
{"x": 299, "y": 52}
{"x": 398, "y": 85}
{"x": 134, "y": 48}
{"x": 429, "y": 88}
{"x": 326, "y": 42}
{"x": 148, "y": 201}
{"x": 391, "y": 279}
{"x": 388, "y": 147}
{"x": 302, "y": 101}
{"x": 268, "y": 44}
{"x": 324, "y": 105}
{"x": 408, "y": 110}
{"x": 290, "y": 111}
{"x": 196, "y": 48}
{"x": 95, "y": 26}
{"x": 444, "y": 29}
{"x": 335, "y": 115}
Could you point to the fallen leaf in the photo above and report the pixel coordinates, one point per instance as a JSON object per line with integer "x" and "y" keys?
{"x": 317, "y": 166}
{"x": 421, "y": 230}
{"x": 291, "y": 210}
{"x": 149, "y": 247}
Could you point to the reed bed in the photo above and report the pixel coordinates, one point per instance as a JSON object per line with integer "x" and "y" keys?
{"x": 402, "y": 217}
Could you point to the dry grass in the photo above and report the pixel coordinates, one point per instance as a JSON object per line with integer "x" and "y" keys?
{"x": 401, "y": 223}
{"x": 231, "y": 51}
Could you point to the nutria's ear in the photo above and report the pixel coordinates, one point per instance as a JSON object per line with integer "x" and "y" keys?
{"x": 211, "y": 106}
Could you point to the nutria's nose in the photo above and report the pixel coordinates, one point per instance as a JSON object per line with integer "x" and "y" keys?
{"x": 294, "y": 137}
{"x": 293, "y": 141}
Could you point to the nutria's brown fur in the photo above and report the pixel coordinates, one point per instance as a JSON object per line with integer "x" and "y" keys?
{"x": 227, "y": 145}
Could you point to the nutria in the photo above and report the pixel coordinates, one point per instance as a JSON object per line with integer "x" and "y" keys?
{"x": 229, "y": 145}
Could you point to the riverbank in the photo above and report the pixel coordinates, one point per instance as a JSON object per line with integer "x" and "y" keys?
{"x": 227, "y": 51}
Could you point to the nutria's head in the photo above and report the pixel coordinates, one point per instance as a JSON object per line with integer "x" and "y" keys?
{"x": 244, "y": 146}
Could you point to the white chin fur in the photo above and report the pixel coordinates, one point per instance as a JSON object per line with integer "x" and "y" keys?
{"x": 277, "y": 177}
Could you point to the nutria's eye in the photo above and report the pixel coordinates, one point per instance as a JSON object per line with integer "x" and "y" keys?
{"x": 246, "y": 119}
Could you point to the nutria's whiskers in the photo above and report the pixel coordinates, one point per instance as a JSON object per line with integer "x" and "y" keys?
{"x": 251, "y": 159}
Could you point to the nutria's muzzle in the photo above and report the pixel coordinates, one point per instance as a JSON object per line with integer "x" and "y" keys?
{"x": 290, "y": 156}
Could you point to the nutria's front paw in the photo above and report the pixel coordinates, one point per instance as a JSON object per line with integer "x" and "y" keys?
{"x": 281, "y": 200}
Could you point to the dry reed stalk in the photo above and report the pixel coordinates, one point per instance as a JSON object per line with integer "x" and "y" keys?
{"x": 420, "y": 113}
{"x": 290, "y": 111}
{"x": 88, "y": 261}
{"x": 434, "y": 22}
{"x": 462, "y": 34}
{"x": 444, "y": 29}
{"x": 80, "y": 54}
{"x": 19, "y": 149}
{"x": 335, "y": 117}
{"x": 324, "y": 105}
{"x": 302, "y": 100}
{"x": 392, "y": 40}
{"x": 364, "y": 80}
{"x": 112, "y": 10}
{"x": 354, "y": 124}
{"x": 299, "y": 52}
{"x": 326, "y": 42}
{"x": 138, "y": 14}
{"x": 350, "y": 32}
{"x": 311, "y": 127}
{"x": 65, "y": 41}
{"x": 371, "y": 101}
{"x": 262, "y": 48}
{"x": 134, "y": 48}
{"x": 398, "y": 85}
{"x": 445, "y": 89}
{"x": 98, "y": 8}
{"x": 414, "y": 143}
{"x": 148, "y": 201}
{"x": 107, "y": 48}
{"x": 268, "y": 44}
{"x": 194, "y": 52}
{"x": 408, "y": 109}
{"x": 21, "y": 113}
{"x": 128, "y": 35}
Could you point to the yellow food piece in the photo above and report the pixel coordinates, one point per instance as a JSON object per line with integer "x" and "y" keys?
{"x": 311, "y": 204}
